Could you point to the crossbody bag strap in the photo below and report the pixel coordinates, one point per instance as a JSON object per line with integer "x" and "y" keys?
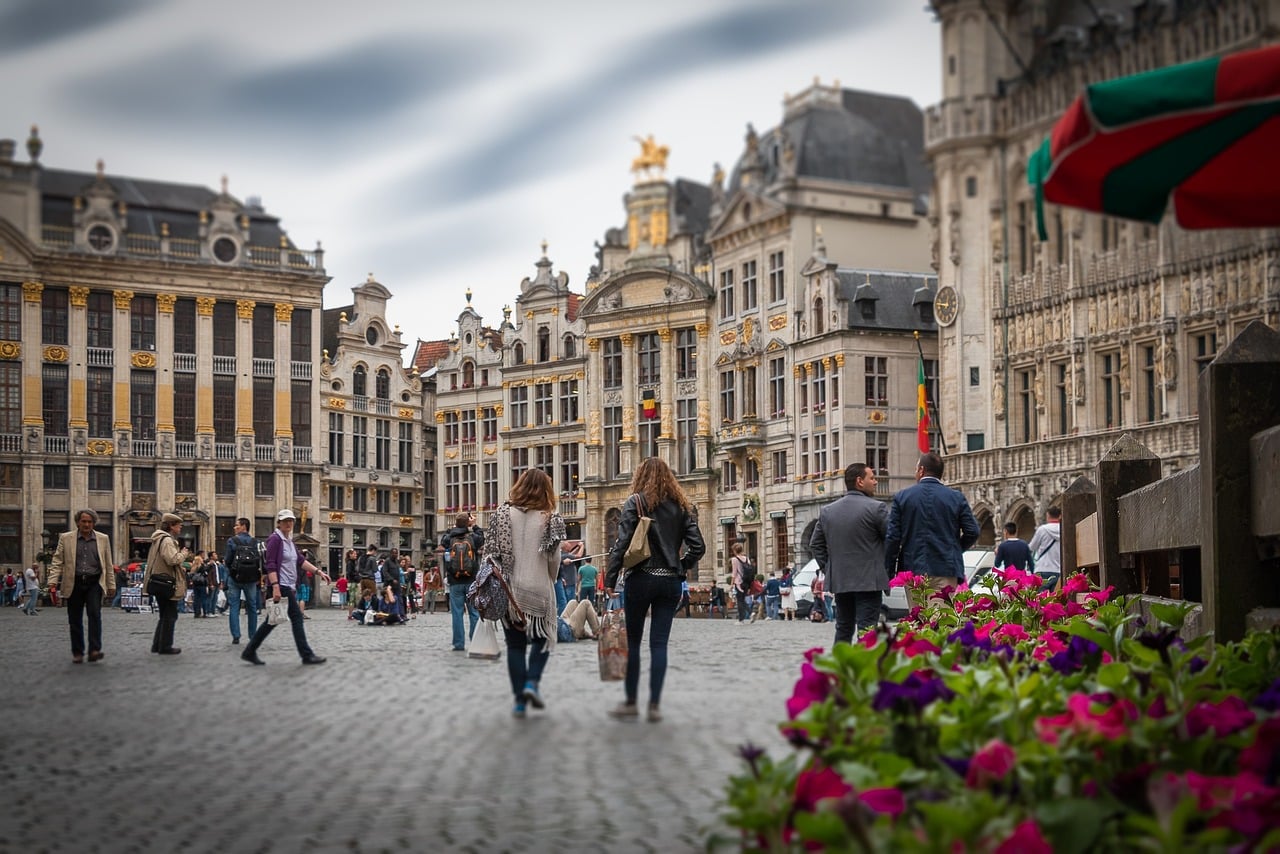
{"x": 511, "y": 599}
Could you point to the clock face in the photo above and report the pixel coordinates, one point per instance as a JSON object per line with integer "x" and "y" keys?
{"x": 945, "y": 305}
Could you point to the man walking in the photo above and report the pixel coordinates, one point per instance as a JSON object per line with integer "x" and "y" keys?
{"x": 1046, "y": 546}
{"x": 1013, "y": 553}
{"x": 81, "y": 568}
{"x": 930, "y": 526}
{"x": 462, "y": 544}
{"x": 244, "y": 571}
{"x": 31, "y": 584}
{"x": 848, "y": 543}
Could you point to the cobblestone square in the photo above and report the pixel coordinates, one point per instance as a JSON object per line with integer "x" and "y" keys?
{"x": 396, "y": 744}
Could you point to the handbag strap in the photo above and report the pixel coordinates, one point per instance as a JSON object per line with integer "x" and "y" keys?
{"x": 497, "y": 572}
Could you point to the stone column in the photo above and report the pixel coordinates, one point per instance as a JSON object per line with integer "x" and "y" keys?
{"x": 165, "y": 431}
{"x": 123, "y": 345}
{"x": 628, "y": 451}
{"x": 705, "y": 379}
{"x": 284, "y": 373}
{"x": 33, "y": 419}
{"x": 667, "y": 399}
{"x": 204, "y": 378}
{"x": 1124, "y": 468}
{"x": 244, "y": 389}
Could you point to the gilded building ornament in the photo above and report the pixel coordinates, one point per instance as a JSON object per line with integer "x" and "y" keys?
{"x": 528, "y": 315}
{"x": 31, "y": 291}
{"x": 777, "y": 322}
{"x": 658, "y": 228}
{"x": 748, "y": 329}
{"x": 337, "y": 403}
{"x": 406, "y": 521}
{"x": 497, "y": 409}
{"x": 55, "y": 354}
{"x": 626, "y": 338}
{"x": 593, "y": 344}
{"x": 78, "y": 296}
{"x": 204, "y": 306}
{"x": 10, "y": 350}
{"x": 808, "y": 369}
{"x": 629, "y": 424}
{"x": 284, "y": 311}
{"x": 665, "y": 334}
{"x": 728, "y": 337}
{"x": 452, "y": 455}
{"x": 164, "y": 303}
{"x": 100, "y": 448}
{"x": 439, "y": 417}
{"x": 555, "y": 310}
{"x": 797, "y": 371}
{"x": 244, "y": 308}
{"x": 337, "y": 516}
{"x": 839, "y": 357}
{"x": 593, "y": 427}
{"x": 490, "y": 450}
{"x": 406, "y": 412}
{"x": 704, "y": 417}
{"x": 826, "y": 363}
{"x": 633, "y": 232}
{"x": 124, "y": 299}
{"x": 652, "y": 157}
{"x": 579, "y": 375}
{"x": 703, "y": 329}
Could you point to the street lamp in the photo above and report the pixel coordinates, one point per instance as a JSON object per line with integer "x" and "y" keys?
{"x": 46, "y": 537}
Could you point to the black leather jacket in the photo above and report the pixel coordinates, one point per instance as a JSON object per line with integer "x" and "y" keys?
{"x": 672, "y": 528}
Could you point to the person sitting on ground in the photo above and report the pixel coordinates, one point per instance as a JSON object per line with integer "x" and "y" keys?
{"x": 362, "y": 607}
{"x": 581, "y": 621}
{"x": 390, "y": 608}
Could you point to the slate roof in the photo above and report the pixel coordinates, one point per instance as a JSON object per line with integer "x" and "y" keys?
{"x": 896, "y": 299}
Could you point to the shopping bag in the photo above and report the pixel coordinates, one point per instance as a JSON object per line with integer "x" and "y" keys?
{"x": 277, "y": 612}
{"x": 484, "y": 643}
{"x": 613, "y": 646}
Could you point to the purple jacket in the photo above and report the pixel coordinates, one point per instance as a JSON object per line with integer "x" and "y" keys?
{"x": 273, "y": 560}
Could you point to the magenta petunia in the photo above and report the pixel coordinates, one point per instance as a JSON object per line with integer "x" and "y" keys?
{"x": 906, "y": 578}
{"x": 1026, "y": 839}
{"x": 1101, "y": 596}
{"x": 1053, "y": 612}
{"x": 991, "y": 764}
{"x": 913, "y": 646}
{"x": 1264, "y": 753}
{"x": 812, "y": 687}
{"x": 818, "y": 784}
{"x": 887, "y": 800}
{"x": 1225, "y": 717}
{"x": 1075, "y": 583}
{"x": 1012, "y": 632}
{"x": 1110, "y": 722}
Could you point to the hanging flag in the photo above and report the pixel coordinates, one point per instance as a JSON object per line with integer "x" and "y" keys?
{"x": 649, "y": 404}
{"x": 922, "y": 413}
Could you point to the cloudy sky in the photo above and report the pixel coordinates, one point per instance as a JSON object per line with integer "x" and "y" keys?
{"x": 435, "y": 144}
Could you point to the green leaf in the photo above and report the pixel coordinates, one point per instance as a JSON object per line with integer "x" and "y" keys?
{"x": 1088, "y": 632}
{"x": 1072, "y": 824}
{"x": 824, "y": 827}
{"x": 1114, "y": 675}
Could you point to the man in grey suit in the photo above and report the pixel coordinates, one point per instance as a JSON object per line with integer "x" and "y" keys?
{"x": 848, "y": 543}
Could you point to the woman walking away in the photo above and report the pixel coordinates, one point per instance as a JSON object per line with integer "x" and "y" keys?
{"x": 653, "y": 586}
{"x": 524, "y": 537}
{"x": 165, "y": 559}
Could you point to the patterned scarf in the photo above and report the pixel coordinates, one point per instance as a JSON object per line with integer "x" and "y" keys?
{"x": 532, "y": 591}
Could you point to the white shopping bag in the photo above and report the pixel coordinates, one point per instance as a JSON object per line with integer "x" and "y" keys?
{"x": 484, "y": 643}
{"x": 277, "y": 612}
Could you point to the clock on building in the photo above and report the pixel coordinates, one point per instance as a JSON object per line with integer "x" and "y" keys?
{"x": 945, "y": 305}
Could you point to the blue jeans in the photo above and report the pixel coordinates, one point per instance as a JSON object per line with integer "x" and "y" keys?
{"x": 526, "y": 658}
{"x": 771, "y": 606}
{"x": 658, "y": 597}
{"x": 211, "y": 600}
{"x": 457, "y": 604}
{"x": 295, "y": 621}
{"x": 249, "y": 592}
{"x": 33, "y": 600}
{"x": 562, "y": 597}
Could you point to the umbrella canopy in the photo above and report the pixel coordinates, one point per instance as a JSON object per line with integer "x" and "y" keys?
{"x": 1206, "y": 133}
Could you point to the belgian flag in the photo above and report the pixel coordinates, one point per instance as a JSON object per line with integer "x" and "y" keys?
{"x": 649, "y": 404}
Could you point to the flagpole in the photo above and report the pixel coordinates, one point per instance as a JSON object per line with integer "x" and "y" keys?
{"x": 933, "y": 404}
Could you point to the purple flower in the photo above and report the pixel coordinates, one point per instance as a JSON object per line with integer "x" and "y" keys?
{"x": 968, "y": 636}
{"x": 1079, "y": 653}
{"x": 915, "y": 692}
{"x": 1270, "y": 698}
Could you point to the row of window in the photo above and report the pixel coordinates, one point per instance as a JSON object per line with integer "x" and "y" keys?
{"x": 383, "y": 447}
{"x": 819, "y": 454}
{"x": 142, "y": 479}
{"x": 649, "y": 358}
{"x": 816, "y": 390}
{"x": 360, "y": 499}
{"x": 747, "y": 286}
{"x": 568, "y": 348}
{"x": 544, "y": 409}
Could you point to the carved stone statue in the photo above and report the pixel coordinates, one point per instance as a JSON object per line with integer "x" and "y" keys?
{"x": 997, "y": 393}
{"x": 1078, "y": 384}
{"x": 934, "y": 238}
{"x": 1039, "y": 390}
{"x": 953, "y": 234}
{"x": 1169, "y": 365}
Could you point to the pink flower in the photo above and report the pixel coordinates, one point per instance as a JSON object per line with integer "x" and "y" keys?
{"x": 1076, "y": 583}
{"x": 1101, "y": 596}
{"x": 1224, "y": 717}
{"x": 818, "y": 784}
{"x": 1080, "y": 717}
{"x": 812, "y": 687}
{"x": 1026, "y": 839}
{"x": 1016, "y": 580}
{"x": 888, "y": 801}
{"x": 1053, "y": 612}
{"x": 990, "y": 765}
{"x": 1075, "y": 609}
{"x": 1012, "y": 632}
{"x": 869, "y": 638}
{"x": 906, "y": 578}
{"x": 1259, "y": 756}
{"x": 913, "y": 646}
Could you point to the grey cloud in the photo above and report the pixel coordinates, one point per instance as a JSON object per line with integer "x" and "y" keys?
{"x": 27, "y": 24}
{"x": 538, "y": 143}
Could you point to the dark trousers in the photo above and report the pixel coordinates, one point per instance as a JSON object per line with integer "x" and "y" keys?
{"x": 166, "y": 620}
{"x": 526, "y": 658}
{"x": 860, "y": 610}
{"x": 656, "y": 596}
{"x": 86, "y": 597}
{"x": 744, "y": 608}
{"x": 295, "y": 621}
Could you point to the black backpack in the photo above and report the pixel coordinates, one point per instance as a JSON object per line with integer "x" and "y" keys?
{"x": 748, "y": 573}
{"x": 246, "y": 563}
{"x": 462, "y": 559}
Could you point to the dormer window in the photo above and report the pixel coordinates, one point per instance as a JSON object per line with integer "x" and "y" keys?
{"x": 868, "y": 309}
{"x": 382, "y": 384}
{"x": 568, "y": 347}
{"x": 544, "y": 344}
{"x": 818, "y": 326}
{"x": 517, "y": 353}
{"x": 864, "y": 297}
{"x": 359, "y": 381}
{"x": 101, "y": 239}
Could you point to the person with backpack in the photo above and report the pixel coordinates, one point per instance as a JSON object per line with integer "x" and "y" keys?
{"x": 744, "y": 574}
{"x": 462, "y": 544}
{"x": 367, "y": 569}
{"x": 244, "y": 572}
{"x": 198, "y": 578}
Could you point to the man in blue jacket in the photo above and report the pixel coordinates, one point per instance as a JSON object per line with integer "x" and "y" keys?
{"x": 930, "y": 526}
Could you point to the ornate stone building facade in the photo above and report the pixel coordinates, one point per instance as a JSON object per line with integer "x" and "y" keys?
{"x": 157, "y": 342}
{"x": 372, "y": 448}
{"x": 1051, "y": 350}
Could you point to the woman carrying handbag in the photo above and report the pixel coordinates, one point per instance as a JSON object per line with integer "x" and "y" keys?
{"x": 165, "y": 580}
{"x": 524, "y": 539}
{"x": 653, "y": 584}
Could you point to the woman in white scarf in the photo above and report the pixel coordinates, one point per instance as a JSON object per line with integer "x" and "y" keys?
{"x": 524, "y": 537}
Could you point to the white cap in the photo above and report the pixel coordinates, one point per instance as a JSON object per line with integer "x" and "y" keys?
{"x": 286, "y": 513}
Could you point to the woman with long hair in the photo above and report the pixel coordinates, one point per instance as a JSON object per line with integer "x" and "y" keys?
{"x": 653, "y": 586}
{"x": 524, "y": 538}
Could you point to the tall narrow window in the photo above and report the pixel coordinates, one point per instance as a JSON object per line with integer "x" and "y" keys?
{"x": 611, "y": 358}
{"x": 544, "y": 459}
{"x": 648, "y": 358}
{"x": 53, "y": 399}
{"x": 225, "y": 325}
{"x": 777, "y": 286}
{"x": 142, "y": 404}
{"x": 568, "y": 347}
{"x": 359, "y": 442}
{"x": 750, "y": 289}
{"x": 777, "y": 387}
{"x": 489, "y": 424}
{"x": 648, "y": 429}
{"x": 543, "y": 404}
{"x": 569, "y": 402}
{"x": 781, "y": 545}
{"x": 544, "y": 344}
{"x": 819, "y": 382}
{"x": 1022, "y": 227}
{"x": 726, "y": 294}
{"x": 519, "y": 406}
{"x": 878, "y": 451}
{"x": 728, "y": 406}
{"x": 98, "y": 401}
{"x": 452, "y": 431}
{"x": 11, "y": 398}
{"x": 184, "y": 325}
{"x": 1150, "y": 388}
{"x": 876, "y": 369}
{"x": 779, "y": 466}
{"x": 53, "y": 315}
{"x": 11, "y": 313}
{"x": 224, "y": 409}
{"x": 1026, "y": 403}
{"x": 382, "y": 384}
{"x": 569, "y": 468}
{"x": 686, "y": 431}
{"x": 360, "y": 381}
{"x": 819, "y": 453}
{"x": 468, "y": 374}
{"x": 517, "y": 353}
{"x": 404, "y": 455}
{"x": 519, "y": 462}
{"x": 729, "y": 476}
{"x": 142, "y": 322}
{"x": 264, "y": 410}
{"x": 300, "y": 412}
{"x": 686, "y": 354}
{"x": 612, "y": 441}
{"x": 1111, "y": 413}
{"x": 100, "y": 314}
{"x": 467, "y": 423}
{"x": 264, "y": 331}
{"x": 750, "y": 382}
{"x": 300, "y": 335}
{"x": 490, "y": 493}
{"x": 819, "y": 321}
{"x": 1061, "y": 398}
{"x": 1206, "y": 350}
{"x": 382, "y": 444}
{"x": 337, "y": 439}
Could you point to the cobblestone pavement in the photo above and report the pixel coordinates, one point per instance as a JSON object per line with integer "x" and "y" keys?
{"x": 396, "y": 744}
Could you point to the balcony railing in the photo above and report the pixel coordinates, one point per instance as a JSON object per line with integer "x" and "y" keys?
{"x": 144, "y": 448}
{"x": 184, "y": 248}
{"x": 302, "y": 455}
{"x": 360, "y": 403}
{"x": 959, "y": 118}
{"x": 300, "y": 370}
{"x": 184, "y": 363}
{"x": 10, "y": 443}
{"x": 100, "y": 357}
{"x": 57, "y": 444}
{"x": 264, "y": 367}
{"x": 381, "y": 406}
{"x": 184, "y": 450}
{"x": 264, "y": 453}
{"x": 224, "y": 365}
{"x": 571, "y": 507}
{"x": 224, "y": 451}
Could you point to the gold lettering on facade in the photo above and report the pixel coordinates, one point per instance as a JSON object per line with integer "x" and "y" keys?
{"x": 406, "y": 412}
{"x": 204, "y": 306}
{"x": 124, "y": 299}
{"x": 337, "y": 403}
{"x": 778, "y": 322}
{"x": 728, "y": 337}
{"x": 284, "y": 311}
{"x": 164, "y": 303}
{"x": 31, "y": 291}
{"x": 55, "y": 354}
{"x": 78, "y": 296}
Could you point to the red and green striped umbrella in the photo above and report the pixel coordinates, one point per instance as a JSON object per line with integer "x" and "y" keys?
{"x": 1205, "y": 133}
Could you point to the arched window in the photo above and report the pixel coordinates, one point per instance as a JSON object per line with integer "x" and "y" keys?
{"x": 544, "y": 344}
{"x": 517, "y": 353}
{"x": 382, "y": 384}
{"x": 358, "y": 380}
{"x": 468, "y": 374}
{"x": 818, "y": 324}
{"x": 569, "y": 347}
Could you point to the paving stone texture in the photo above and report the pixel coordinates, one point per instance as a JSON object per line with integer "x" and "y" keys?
{"x": 396, "y": 744}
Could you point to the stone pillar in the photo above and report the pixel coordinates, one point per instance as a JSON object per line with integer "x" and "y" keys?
{"x": 667, "y": 399}
{"x": 1124, "y": 468}
{"x": 204, "y": 378}
{"x": 628, "y": 451}
{"x": 1078, "y": 502}
{"x": 1239, "y": 396}
{"x": 244, "y": 386}
{"x": 123, "y": 346}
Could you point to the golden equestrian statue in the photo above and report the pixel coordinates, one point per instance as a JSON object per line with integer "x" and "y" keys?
{"x": 652, "y": 156}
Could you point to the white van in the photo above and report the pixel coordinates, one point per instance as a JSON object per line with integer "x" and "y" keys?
{"x": 977, "y": 563}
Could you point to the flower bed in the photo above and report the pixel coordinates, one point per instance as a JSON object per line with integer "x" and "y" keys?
{"x": 1024, "y": 721}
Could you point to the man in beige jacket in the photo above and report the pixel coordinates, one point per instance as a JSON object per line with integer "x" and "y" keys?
{"x": 81, "y": 569}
